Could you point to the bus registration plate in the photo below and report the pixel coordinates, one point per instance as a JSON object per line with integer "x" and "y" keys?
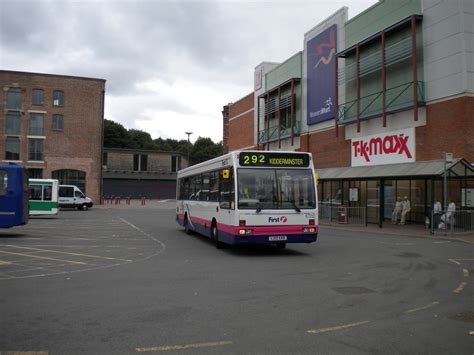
{"x": 277, "y": 238}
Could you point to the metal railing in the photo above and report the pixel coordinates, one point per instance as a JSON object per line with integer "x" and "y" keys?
{"x": 277, "y": 132}
{"x": 343, "y": 215}
{"x": 397, "y": 98}
{"x": 457, "y": 222}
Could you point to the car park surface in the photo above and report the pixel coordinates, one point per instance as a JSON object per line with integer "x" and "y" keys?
{"x": 129, "y": 280}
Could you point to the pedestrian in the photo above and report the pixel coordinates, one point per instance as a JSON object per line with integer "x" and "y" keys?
{"x": 437, "y": 212}
{"x": 451, "y": 212}
{"x": 397, "y": 210}
{"x": 406, "y": 208}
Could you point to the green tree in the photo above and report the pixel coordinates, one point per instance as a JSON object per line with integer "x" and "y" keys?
{"x": 139, "y": 139}
{"x": 115, "y": 135}
{"x": 205, "y": 149}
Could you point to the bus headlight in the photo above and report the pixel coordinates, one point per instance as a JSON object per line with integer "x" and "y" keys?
{"x": 245, "y": 231}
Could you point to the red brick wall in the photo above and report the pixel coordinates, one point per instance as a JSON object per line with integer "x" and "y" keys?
{"x": 449, "y": 128}
{"x": 328, "y": 150}
{"x": 241, "y": 130}
{"x": 79, "y": 145}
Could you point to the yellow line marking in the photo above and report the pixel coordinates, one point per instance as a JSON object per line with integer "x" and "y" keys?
{"x": 465, "y": 272}
{"x": 4, "y": 263}
{"x": 182, "y": 347}
{"x": 43, "y": 257}
{"x": 460, "y": 287}
{"x": 455, "y": 261}
{"x": 432, "y": 304}
{"x": 339, "y": 327}
{"x": 67, "y": 253}
{"x": 23, "y": 353}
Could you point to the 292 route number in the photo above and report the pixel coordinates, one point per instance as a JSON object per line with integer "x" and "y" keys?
{"x": 254, "y": 159}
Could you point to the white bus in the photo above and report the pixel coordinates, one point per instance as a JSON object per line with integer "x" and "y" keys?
{"x": 250, "y": 197}
{"x": 43, "y": 196}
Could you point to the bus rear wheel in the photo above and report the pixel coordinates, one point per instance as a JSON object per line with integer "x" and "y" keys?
{"x": 186, "y": 225}
{"x": 281, "y": 245}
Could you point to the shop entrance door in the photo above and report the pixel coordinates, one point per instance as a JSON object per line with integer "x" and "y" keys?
{"x": 373, "y": 201}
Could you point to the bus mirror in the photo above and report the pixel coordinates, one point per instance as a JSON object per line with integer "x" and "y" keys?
{"x": 226, "y": 174}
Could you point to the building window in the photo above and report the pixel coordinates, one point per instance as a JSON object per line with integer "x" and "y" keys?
{"x": 38, "y": 97}
{"x": 13, "y": 123}
{"x": 58, "y": 98}
{"x": 12, "y": 148}
{"x": 71, "y": 177}
{"x": 58, "y": 122}
{"x": 140, "y": 162}
{"x": 35, "y": 149}
{"x": 35, "y": 173}
{"x": 175, "y": 163}
{"x": 36, "y": 124}
{"x": 14, "y": 99}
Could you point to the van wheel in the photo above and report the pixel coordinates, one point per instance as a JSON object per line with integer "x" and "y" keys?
{"x": 80, "y": 207}
{"x": 85, "y": 207}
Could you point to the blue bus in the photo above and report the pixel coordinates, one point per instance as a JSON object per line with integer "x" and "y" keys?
{"x": 14, "y": 195}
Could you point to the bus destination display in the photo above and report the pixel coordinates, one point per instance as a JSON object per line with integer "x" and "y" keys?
{"x": 274, "y": 159}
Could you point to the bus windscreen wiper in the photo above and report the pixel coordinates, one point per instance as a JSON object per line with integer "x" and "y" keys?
{"x": 296, "y": 206}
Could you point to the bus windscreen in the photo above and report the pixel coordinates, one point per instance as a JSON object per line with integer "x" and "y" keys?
{"x": 276, "y": 189}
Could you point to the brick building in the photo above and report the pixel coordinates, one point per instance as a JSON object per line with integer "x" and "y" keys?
{"x": 378, "y": 99}
{"x": 53, "y": 125}
{"x": 141, "y": 173}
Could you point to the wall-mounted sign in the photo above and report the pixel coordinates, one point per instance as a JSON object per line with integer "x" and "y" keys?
{"x": 321, "y": 70}
{"x": 354, "y": 194}
{"x": 384, "y": 148}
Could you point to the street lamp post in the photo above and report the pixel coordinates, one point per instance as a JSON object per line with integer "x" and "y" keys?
{"x": 189, "y": 134}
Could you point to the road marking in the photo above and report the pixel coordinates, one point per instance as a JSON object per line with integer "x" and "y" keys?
{"x": 455, "y": 261}
{"x": 24, "y": 353}
{"x": 43, "y": 257}
{"x": 67, "y": 253}
{"x": 183, "y": 347}
{"x": 4, "y": 263}
{"x": 432, "y": 304}
{"x": 333, "y": 329}
{"x": 465, "y": 272}
{"x": 460, "y": 287}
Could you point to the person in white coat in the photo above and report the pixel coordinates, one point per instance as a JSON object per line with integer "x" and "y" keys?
{"x": 397, "y": 210}
{"x": 406, "y": 208}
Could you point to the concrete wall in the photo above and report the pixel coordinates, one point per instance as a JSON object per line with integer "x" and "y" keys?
{"x": 377, "y": 17}
{"x": 448, "y": 32}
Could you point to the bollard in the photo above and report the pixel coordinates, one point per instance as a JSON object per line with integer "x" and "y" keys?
{"x": 128, "y": 200}
{"x": 143, "y": 201}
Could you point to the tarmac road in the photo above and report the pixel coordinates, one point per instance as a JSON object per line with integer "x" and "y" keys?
{"x": 127, "y": 281}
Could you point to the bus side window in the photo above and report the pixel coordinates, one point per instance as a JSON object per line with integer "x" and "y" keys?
{"x": 47, "y": 193}
{"x": 36, "y": 192}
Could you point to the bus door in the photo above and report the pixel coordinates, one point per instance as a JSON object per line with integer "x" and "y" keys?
{"x": 227, "y": 197}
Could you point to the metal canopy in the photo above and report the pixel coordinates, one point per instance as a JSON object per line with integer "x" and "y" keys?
{"x": 430, "y": 168}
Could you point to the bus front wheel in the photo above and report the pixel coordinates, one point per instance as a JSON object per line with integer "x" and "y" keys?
{"x": 215, "y": 235}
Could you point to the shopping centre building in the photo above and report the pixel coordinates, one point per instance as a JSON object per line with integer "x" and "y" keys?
{"x": 379, "y": 100}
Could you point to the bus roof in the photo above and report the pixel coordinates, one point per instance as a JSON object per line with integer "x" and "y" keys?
{"x": 230, "y": 159}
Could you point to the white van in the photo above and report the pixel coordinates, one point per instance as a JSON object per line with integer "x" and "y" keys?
{"x": 72, "y": 196}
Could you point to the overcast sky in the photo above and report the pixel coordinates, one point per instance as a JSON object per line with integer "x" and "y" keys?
{"x": 170, "y": 66}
